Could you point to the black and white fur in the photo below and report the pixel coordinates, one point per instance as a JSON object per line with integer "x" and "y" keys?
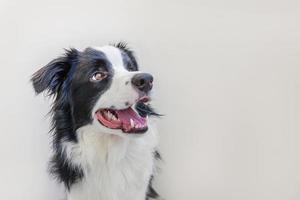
{"x": 95, "y": 162}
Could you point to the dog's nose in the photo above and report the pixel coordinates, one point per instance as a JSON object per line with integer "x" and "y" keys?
{"x": 143, "y": 81}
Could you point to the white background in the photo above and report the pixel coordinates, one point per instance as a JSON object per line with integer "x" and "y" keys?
{"x": 226, "y": 78}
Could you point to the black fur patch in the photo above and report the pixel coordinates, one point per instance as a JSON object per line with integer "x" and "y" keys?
{"x": 151, "y": 193}
{"x": 67, "y": 79}
{"x": 85, "y": 93}
{"x": 128, "y": 56}
{"x": 64, "y": 171}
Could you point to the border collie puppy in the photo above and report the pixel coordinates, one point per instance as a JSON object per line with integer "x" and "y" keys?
{"x": 104, "y": 147}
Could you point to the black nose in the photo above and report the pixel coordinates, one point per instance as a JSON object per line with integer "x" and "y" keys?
{"x": 143, "y": 81}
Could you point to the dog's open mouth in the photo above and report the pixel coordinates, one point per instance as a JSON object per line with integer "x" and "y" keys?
{"x": 128, "y": 120}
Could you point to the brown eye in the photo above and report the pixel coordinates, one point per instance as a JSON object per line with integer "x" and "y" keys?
{"x": 98, "y": 76}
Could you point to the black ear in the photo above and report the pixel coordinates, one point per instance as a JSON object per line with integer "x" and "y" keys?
{"x": 51, "y": 76}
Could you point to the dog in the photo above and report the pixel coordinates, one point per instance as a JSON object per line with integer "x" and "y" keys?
{"x": 104, "y": 143}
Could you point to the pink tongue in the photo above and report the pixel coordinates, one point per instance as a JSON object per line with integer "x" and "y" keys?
{"x": 129, "y": 113}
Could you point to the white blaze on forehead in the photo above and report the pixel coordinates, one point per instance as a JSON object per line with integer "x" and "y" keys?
{"x": 120, "y": 93}
{"x": 114, "y": 55}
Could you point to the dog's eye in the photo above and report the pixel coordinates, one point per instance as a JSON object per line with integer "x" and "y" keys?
{"x": 98, "y": 76}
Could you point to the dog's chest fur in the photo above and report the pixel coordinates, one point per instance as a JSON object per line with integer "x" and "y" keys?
{"x": 114, "y": 168}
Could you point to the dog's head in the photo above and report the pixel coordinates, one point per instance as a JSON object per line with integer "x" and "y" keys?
{"x": 101, "y": 86}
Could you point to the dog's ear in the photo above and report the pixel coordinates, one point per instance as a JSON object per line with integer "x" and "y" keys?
{"x": 51, "y": 76}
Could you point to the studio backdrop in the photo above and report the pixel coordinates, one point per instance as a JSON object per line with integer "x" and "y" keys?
{"x": 226, "y": 81}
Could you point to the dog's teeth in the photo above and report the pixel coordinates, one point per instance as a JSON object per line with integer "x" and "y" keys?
{"x": 111, "y": 116}
{"x": 131, "y": 122}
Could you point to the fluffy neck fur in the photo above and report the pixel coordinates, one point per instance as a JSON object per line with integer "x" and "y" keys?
{"x": 114, "y": 168}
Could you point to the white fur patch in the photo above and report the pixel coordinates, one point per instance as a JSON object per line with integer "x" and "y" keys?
{"x": 115, "y": 168}
{"x": 114, "y": 55}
